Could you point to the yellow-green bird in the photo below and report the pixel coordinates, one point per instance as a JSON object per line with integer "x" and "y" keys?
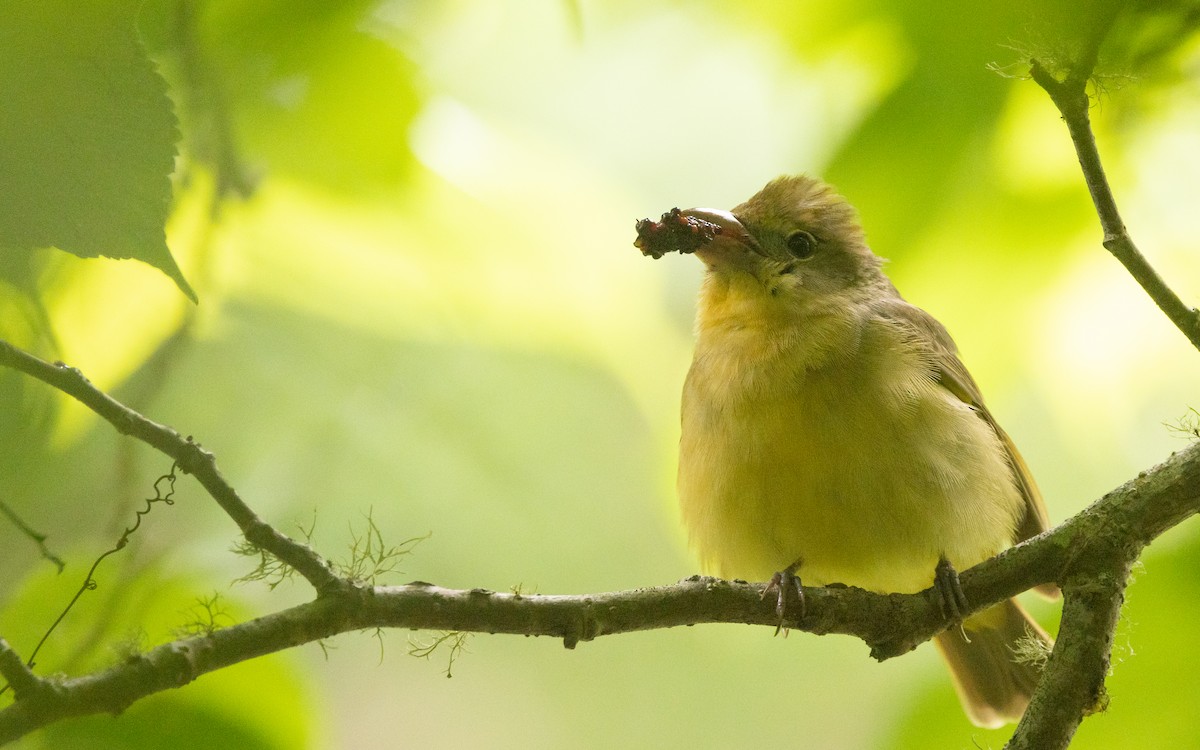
{"x": 831, "y": 431}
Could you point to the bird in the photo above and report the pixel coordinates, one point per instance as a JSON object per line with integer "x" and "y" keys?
{"x": 830, "y": 432}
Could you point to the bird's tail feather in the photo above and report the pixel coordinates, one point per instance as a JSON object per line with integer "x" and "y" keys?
{"x": 993, "y": 686}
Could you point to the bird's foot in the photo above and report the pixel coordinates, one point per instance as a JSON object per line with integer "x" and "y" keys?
{"x": 951, "y": 599}
{"x": 786, "y": 585}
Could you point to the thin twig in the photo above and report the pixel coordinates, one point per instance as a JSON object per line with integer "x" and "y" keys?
{"x": 89, "y": 582}
{"x": 38, "y": 538}
{"x": 1070, "y": 97}
{"x": 189, "y": 456}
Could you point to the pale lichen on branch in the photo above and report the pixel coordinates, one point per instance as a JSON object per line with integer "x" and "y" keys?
{"x": 454, "y": 641}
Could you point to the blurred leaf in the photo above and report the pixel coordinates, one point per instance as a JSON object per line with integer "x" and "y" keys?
{"x": 925, "y": 127}
{"x": 1148, "y": 34}
{"x": 304, "y": 89}
{"x": 912, "y": 153}
{"x": 87, "y": 143}
{"x": 159, "y": 722}
{"x": 463, "y": 440}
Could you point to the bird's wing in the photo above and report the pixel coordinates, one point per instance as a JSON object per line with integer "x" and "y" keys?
{"x": 953, "y": 376}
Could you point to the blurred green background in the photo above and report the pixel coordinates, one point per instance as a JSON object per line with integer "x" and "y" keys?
{"x": 409, "y": 226}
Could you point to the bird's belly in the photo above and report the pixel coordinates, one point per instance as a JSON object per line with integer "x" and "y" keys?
{"x": 865, "y": 485}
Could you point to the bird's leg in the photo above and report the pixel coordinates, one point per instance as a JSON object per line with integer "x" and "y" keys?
{"x": 784, "y": 584}
{"x": 951, "y": 598}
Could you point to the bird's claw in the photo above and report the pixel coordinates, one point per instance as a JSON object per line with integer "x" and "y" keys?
{"x": 785, "y": 583}
{"x": 951, "y": 599}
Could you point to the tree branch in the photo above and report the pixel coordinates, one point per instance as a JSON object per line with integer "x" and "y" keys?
{"x": 190, "y": 457}
{"x": 1072, "y": 685}
{"x": 1070, "y": 97}
{"x": 1109, "y": 537}
{"x": 20, "y": 677}
{"x": 1088, "y": 556}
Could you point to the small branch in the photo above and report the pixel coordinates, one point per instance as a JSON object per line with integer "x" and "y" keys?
{"x": 1071, "y": 99}
{"x": 89, "y": 581}
{"x": 191, "y": 458}
{"x": 38, "y": 538}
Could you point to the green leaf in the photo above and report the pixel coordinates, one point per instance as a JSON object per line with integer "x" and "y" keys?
{"x": 87, "y": 141}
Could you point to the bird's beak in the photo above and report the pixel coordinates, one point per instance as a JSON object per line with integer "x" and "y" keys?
{"x": 732, "y": 245}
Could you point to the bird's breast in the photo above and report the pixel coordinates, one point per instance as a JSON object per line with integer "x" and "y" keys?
{"x": 837, "y": 447}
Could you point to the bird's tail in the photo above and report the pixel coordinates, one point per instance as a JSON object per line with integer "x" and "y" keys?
{"x": 992, "y": 684}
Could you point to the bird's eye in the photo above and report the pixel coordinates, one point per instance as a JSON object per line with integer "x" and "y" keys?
{"x": 802, "y": 244}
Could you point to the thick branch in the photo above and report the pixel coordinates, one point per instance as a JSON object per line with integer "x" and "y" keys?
{"x": 20, "y": 677}
{"x": 1112, "y": 531}
{"x": 1072, "y": 686}
{"x": 1105, "y": 541}
{"x": 189, "y": 456}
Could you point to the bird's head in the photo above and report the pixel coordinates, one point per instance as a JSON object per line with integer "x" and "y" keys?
{"x": 795, "y": 239}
